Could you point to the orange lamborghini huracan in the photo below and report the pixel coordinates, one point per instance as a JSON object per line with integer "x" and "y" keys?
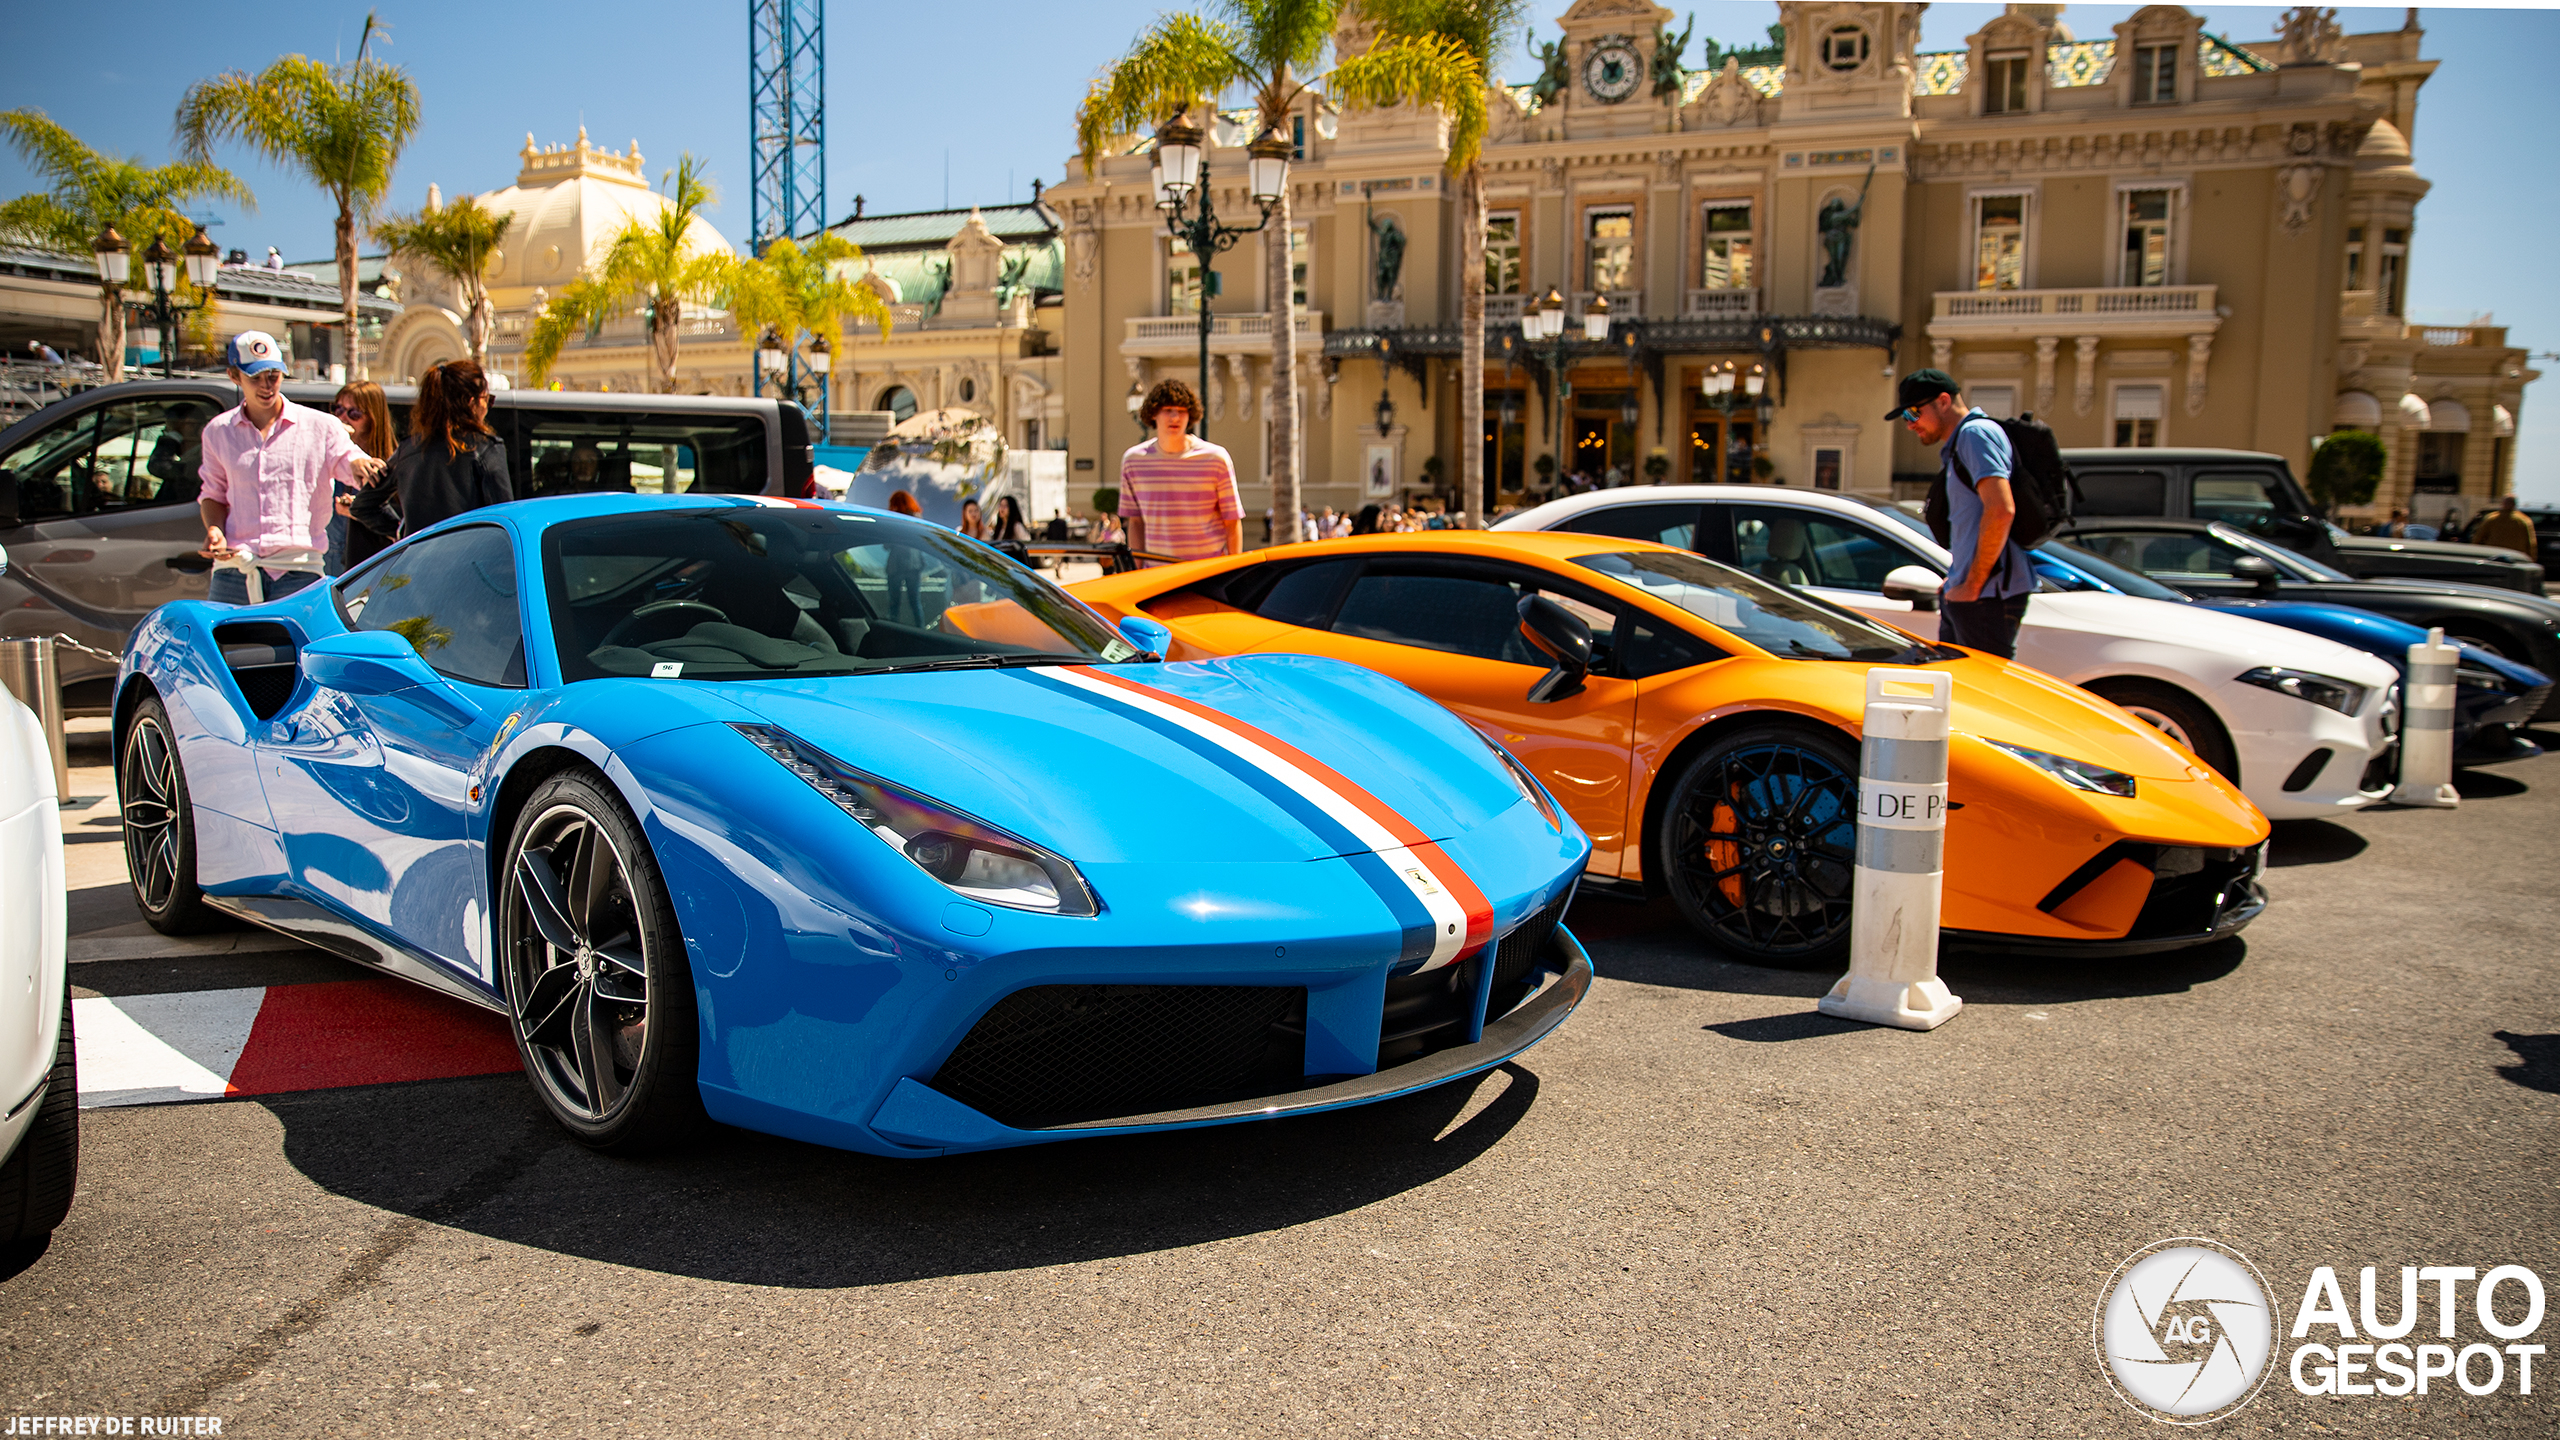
{"x": 1702, "y": 725}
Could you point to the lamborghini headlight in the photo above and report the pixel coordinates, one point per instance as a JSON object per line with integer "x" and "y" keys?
{"x": 2343, "y": 696}
{"x": 2078, "y": 774}
{"x": 970, "y": 856}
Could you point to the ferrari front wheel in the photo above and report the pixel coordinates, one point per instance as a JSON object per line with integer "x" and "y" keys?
{"x": 595, "y": 972}
{"x": 1758, "y": 842}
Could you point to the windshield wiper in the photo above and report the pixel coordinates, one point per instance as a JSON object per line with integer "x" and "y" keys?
{"x": 987, "y": 662}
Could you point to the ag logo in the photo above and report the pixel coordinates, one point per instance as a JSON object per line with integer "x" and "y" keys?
{"x": 2184, "y": 1330}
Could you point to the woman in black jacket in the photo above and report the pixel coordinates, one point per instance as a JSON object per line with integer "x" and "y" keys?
{"x": 449, "y": 464}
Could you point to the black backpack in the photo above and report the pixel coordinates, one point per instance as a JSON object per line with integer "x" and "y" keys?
{"x": 2044, "y": 499}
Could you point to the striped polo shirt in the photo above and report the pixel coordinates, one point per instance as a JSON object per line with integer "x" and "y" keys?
{"x": 1186, "y": 500}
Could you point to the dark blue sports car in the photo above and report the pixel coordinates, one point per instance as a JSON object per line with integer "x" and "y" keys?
{"x": 2492, "y": 695}
{"x": 834, "y": 824}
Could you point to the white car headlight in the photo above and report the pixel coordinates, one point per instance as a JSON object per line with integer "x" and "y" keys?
{"x": 2344, "y": 696}
{"x": 968, "y": 855}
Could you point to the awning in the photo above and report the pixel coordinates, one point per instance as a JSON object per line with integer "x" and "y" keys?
{"x": 2356, "y": 410}
{"x": 2451, "y": 416}
{"x": 2505, "y": 418}
{"x": 2413, "y": 413}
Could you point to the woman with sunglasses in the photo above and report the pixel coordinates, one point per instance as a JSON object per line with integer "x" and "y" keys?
{"x": 363, "y": 409}
{"x": 450, "y": 463}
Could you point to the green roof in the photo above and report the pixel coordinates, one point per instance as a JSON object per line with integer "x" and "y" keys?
{"x": 933, "y": 229}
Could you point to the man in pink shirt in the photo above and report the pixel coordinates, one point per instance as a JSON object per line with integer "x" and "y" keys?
{"x": 1178, "y": 492}
{"x": 269, "y": 472}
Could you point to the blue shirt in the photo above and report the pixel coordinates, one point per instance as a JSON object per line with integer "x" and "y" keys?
{"x": 1984, "y": 447}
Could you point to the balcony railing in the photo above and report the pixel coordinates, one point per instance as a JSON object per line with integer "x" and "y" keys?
{"x": 2451, "y": 334}
{"x": 2093, "y": 310}
{"x": 1172, "y": 332}
{"x": 1719, "y": 304}
{"x": 1623, "y": 304}
{"x": 1504, "y": 309}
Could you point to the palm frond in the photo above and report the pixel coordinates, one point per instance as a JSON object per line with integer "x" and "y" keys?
{"x": 1276, "y": 37}
{"x": 1420, "y": 70}
{"x": 580, "y": 307}
{"x": 1178, "y": 64}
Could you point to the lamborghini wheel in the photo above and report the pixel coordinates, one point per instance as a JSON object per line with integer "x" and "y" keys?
{"x": 160, "y": 826}
{"x": 1758, "y": 842}
{"x": 595, "y": 972}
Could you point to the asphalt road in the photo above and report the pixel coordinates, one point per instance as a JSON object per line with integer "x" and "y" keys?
{"x": 1699, "y": 1209}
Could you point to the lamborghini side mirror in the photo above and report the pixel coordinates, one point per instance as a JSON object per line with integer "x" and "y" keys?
{"x": 1562, "y": 637}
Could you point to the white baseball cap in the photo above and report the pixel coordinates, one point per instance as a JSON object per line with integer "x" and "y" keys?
{"x": 251, "y": 351}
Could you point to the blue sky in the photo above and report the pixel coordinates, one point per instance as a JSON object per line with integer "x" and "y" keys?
{"x": 920, "y": 113}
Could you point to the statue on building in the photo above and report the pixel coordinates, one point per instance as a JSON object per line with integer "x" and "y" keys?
{"x": 1667, "y": 50}
{"x": 1551, "y": 71}
{"x": 1839, "y": 225}
{"x": 1390, "y": 255}
{"x": 2310, "y": 35}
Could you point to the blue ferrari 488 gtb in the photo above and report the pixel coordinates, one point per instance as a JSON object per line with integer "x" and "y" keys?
{"x": 837, "y": 825}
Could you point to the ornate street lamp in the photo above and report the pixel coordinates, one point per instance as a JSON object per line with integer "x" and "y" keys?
{"x": 114, "y": 259}
{"x": 1386, "y": 414}
{"x": 770, "y": 361}
{"x": 160, "y": 270}
{"x": 1183, "y": 196}
{"x": 204, "y": 261}
{"x": 1137, "y": 397}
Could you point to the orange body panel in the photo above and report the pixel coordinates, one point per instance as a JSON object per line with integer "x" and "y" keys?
{"x": 2016, "y": 834}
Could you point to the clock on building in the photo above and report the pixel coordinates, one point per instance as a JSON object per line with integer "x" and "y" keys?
{"x": 1610, "y": 70}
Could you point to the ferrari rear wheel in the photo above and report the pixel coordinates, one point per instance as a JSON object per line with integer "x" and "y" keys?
{"x": 160, "y": 826}
{"x": 1758, "y": 843}
{"x": 595, "y": 972}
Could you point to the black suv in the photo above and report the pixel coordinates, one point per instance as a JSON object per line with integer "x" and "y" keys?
{"x": 98, "y": 492}
{"x": 2257, "y": 492}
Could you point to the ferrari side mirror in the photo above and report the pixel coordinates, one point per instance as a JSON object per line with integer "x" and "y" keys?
{"x": 383, "y": 662}
{"x": 1913, "y": 583}
{"x": 1558, "y": 634}
{"x": 2258, "y": 571}
{"x": 1147, "y": 633}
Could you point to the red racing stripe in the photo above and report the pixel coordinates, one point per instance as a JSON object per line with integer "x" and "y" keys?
{"x": 367, "y": 1032}
{"x": 1479, "y": 911}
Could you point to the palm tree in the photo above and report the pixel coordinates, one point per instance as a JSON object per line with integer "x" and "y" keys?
{"x": 789, "y": 290}
{"x": 1477, "y": 26}
{"x": 341, "y": 126}
{"x": 649, "y": 265}
{"x": 1267, "y": 48}
{"x": 457, "y": 239}
{"x": 92, "y": 193}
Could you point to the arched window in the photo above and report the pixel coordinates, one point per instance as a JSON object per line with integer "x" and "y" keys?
{"x": 900, "y": 402}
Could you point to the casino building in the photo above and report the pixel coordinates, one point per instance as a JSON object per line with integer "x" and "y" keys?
{"x": 2154, "y": 236}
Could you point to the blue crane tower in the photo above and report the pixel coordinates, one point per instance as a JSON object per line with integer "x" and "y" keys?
{"x": 787, "y": 123}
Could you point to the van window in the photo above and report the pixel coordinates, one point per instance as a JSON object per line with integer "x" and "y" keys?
{"x": 116, "y": 457}
{"x": 2122, "y": 492}
{"x": 572, "y": 452}
{"x": 2250, "y": 499}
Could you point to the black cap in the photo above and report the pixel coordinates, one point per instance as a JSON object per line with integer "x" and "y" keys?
{"x": 1919, "y": 388}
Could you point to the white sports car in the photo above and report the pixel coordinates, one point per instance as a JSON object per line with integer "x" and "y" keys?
{"x": 2304, "y": 726}
{"x": 39, "y": 1095}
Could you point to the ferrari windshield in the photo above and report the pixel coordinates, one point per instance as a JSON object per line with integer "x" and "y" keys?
{"x": 1778, "y": 620}
{"x": 755, "y": 592}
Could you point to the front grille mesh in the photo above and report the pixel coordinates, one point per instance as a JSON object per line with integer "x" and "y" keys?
{"x": 1521, "y": 948}
{"x": 1059, "y": 1054}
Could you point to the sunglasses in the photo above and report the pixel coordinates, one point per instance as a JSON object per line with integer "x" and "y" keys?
{"x": 347, "y": 412}
{"x": 1909, "y": 414}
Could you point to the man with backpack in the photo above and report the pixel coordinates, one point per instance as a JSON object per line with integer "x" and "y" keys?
{"x": 1985, "y": 595}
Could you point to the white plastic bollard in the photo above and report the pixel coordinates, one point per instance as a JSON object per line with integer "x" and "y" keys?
{"x": 2426, "y": 725}
{"x": 1902, "y": 834}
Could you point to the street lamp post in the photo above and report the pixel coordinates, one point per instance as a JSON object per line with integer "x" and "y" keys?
{"x": 784, "y": 365}
{"x": 1182, "y": 196}
{"x": 203, "y": 262}
{"x": 1543, "y": 328}
{"x": 1728, "y": 388}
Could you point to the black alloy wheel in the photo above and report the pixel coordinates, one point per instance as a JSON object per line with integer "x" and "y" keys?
{"x": 595, "y": 972}
{"x": 37, "y": 1179}
{"x": 160, "y": 826}
{"x": 1758, "y": 844}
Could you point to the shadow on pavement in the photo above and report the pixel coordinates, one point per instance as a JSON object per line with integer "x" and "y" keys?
{"x": 1770, "y": 1029}
{"x": 2537, "y": 1064}
{"x": 482, "y": 1157}
{"x": 2312, "y": 842}
{"x": 2488, "y": 785}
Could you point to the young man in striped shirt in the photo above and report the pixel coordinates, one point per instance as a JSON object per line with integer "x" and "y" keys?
{"x": 1178, "y": 492}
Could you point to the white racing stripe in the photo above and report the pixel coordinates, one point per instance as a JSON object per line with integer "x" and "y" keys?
{"x": 1449, "y": 919}
{"x": 146, "y": 1049}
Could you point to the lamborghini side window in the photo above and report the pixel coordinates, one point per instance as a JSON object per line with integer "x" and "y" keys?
{"x": 453, "y": 596}
{"x": 1305, "y": 596}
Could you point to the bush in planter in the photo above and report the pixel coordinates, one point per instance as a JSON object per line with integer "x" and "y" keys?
{"x": 1657, "y": 467}
{"x": 2346, "y": 469}
{"x": 1106, "y": 501}
{"x": 1763, "y": 468}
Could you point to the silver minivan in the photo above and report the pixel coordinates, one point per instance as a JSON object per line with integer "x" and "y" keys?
{"x": 98, "y": 492}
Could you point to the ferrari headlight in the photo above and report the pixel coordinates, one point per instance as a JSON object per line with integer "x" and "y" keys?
{"x": 968, "y": 855}
{"x": 2078, "y": 774}
{"x": 1528, "y": 786}
{"x": 2343, "y": 696}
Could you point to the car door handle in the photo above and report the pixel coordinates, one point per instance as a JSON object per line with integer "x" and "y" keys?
{"x": 192, "y": 564}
